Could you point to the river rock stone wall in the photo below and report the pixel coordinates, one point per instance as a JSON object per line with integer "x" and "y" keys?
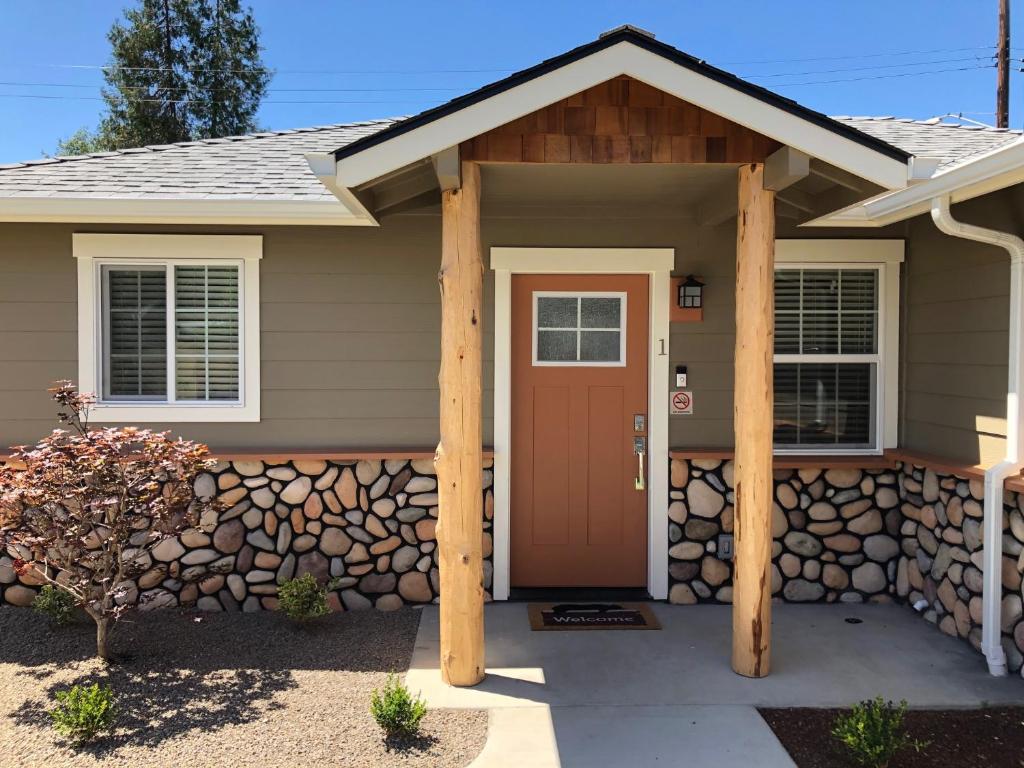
{"x": 366, "y": 525}
{"x": 940, "y": 565}
{"x": 835, "y": 533}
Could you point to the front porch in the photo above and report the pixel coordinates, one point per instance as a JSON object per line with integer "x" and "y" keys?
{"x": 566, "y": 695}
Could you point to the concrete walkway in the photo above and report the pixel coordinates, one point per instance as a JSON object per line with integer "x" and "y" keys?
{"x": 669, "y": 697}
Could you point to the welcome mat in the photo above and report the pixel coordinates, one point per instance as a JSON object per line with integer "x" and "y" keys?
{"x": 569, "y": 616}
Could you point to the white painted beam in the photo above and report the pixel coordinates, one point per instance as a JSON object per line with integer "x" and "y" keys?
{"x": 447, "y": 168}
{"x": 785, "y": 167}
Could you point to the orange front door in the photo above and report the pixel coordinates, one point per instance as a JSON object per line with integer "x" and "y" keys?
{"x": 579, "y": 381}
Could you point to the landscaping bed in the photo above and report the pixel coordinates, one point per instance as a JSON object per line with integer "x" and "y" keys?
{"x": 956, "y": 738}
{"x": 224, "y": 689}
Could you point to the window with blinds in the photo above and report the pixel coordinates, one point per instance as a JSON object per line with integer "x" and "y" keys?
{"x": 171, "y": 333}
{"x": 826, "y": 358}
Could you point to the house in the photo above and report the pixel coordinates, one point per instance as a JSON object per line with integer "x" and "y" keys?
{"x": 619, "y": 229}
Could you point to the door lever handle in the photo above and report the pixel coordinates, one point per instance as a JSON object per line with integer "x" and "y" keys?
{"x": 639, "y": 448}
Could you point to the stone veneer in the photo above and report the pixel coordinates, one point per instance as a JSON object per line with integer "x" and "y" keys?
{"x": 834, "y": 533}
{"x": 369, "y": 525}
{"x": 941, "y": 559}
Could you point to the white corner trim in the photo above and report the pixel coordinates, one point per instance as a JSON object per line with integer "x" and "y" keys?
{"x": 656, "y": 262}
{"x": 91, "y": 251}
{"x": 886, "y": 256}
{"x": 78, "y": 210}
{"x": 623, "y": 58}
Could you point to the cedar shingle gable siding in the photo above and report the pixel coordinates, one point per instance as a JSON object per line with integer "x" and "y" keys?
{"x": 620, "y": 121}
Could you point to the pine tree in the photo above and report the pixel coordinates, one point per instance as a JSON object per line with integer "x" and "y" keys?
{"x": 228, "y": 78}
{"x": 181, "y": 70}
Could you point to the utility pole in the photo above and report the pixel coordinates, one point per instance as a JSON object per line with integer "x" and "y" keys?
{"x": 1003, "y": 67}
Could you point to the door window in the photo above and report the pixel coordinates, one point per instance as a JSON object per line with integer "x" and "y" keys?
{"x": 585, "y": 329}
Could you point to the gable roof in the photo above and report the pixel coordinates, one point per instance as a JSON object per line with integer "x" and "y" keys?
{"x": 640, "y": 39}
{"x": 625, "y": 51}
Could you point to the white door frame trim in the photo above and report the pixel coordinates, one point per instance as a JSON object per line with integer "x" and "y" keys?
{"x": 658, "y": 264}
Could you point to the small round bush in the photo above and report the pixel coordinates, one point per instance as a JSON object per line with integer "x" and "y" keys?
{"x": 397, "y": 711}
{"x": 303, "y": 598}
{"x": 873, "y": 731}
{"x": 55, "y": 604}
{"x": 83, "y": 712}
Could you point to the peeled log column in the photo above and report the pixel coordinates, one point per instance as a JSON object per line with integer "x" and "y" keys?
{"x": 459, "y": 461}
{"x": 753, "y": 403}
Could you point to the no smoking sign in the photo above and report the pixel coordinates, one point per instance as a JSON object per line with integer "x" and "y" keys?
{"x": 681, "y": 402}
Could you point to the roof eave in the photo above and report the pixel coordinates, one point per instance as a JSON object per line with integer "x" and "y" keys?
{"x": 1000, "y": 168}
{"x": 93, "y": 210}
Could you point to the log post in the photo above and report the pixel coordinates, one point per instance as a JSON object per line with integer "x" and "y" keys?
{"x": 459, "y": 461}
{"x": 752, "y": 410}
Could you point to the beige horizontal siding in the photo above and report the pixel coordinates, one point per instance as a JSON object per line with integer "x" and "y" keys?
{"x": 956, "y": 315}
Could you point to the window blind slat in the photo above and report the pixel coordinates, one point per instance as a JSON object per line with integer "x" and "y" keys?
{"x": 206, "y": 332}
{"x": 136, "y": 332}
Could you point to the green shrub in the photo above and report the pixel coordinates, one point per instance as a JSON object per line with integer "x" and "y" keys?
{"x": 56, "y": 604}
{"x": 83, "y": 712}
{"x": 873, "y": 732}
{"x": 396, "y": 711}
{"x": 302, "y": 598}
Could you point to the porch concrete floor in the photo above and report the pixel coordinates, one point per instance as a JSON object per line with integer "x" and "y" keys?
{"x": 646, "y": 697}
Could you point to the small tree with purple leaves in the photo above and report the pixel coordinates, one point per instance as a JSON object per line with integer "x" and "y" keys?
{"x": 83, "y": 509}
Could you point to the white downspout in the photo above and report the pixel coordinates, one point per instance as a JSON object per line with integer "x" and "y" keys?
{"x": 992, "y": 587}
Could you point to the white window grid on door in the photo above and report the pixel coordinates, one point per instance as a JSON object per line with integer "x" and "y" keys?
{"x": 579, "y": 329}
{"x": 171, "y": 324}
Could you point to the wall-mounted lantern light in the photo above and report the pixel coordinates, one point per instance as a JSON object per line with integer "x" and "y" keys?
{"x": 688, "y": 300}
{"x": 691, "y": 293}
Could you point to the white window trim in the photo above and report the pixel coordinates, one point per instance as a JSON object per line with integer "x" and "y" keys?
{"x": 885, "y": 256}
{"x": 620, "y": 363}
{"x": 93, "y": 251}
{"x": 657, "y": 263}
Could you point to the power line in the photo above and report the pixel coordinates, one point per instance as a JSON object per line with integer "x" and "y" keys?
{"x": 268, "y": 70}
{"x": 868, "y": 68}
{"x": 861, "y": 56}
{"x": 207, "y": 101}
{"x": 882, "y": 77}
{"x": 186, "y": 88}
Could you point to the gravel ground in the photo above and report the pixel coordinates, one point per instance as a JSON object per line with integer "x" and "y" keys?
{"x": 224, "y": 689}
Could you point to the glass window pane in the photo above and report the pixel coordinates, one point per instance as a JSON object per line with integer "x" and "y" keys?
{"x": 206, "y": 332}
{"x": 557, "y": 312}
{"x": 820, "y": 334}
{"x": 556, "y": 346}
{"x": 820, "y": 290}
{"x": 858, "y": 333}
{"x": 787, "y": 333}
{"x": 859, "y": 290}
{"x": 135, "y": 333}
{"x": 787, "y": 290}
{"x": 818, "y": 404}
{"x": 601, "y": 312}
{"x": 600, "y": 346}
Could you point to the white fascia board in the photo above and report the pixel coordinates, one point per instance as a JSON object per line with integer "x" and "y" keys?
{"x": 90, "y": 210}
{"x": 990, "y": 172}
{"x": 621, "y": 59}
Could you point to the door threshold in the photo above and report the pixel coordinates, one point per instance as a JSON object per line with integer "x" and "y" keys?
{"x": 578, "y": 595}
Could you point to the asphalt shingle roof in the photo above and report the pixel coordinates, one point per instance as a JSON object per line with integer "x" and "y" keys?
{"x": 955, "y": 143}
{"x": 271, "y": 166}
{"x": 258, "y": 166}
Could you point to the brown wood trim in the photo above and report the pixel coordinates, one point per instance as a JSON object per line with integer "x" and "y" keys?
{"x": 887, "y": 460}
{"x": 320, "y": 455}
{"x": 939, "y": 463}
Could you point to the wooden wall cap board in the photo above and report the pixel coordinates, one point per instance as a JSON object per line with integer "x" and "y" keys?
{"x": 622, "y": 120}
{"x": 320, "y": 455}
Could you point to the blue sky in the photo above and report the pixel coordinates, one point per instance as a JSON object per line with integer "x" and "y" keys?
{"x": 377, "y": 48}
